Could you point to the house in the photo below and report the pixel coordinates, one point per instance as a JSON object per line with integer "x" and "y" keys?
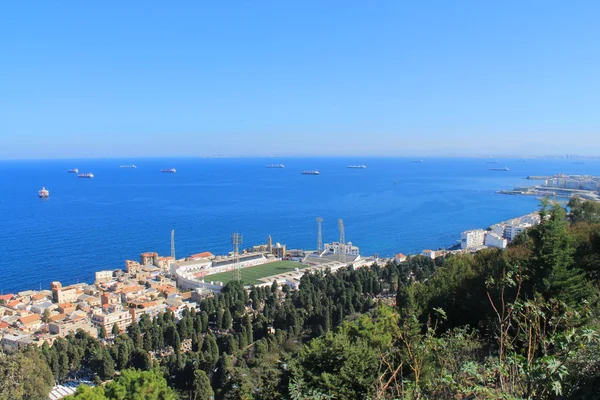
{"x": 429, "y": 254}
{"x": 399, "y": 258}
{"x": 31, "y": 322}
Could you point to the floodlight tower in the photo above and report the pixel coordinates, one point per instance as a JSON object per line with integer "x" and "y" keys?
{"x": 236, "y": 240}
{"x": 173, "y": 244}
{"x": 319, "y": 236}
{"x": 342, "y": 246}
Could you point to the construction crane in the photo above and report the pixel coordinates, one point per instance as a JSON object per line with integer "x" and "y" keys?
{"x": 236, "y": 240}
{"x": 319, "y": 236}
{"x": 342, "y": 241}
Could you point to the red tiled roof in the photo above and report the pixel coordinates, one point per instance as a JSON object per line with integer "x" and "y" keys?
{"x": 6, "y": 297}
{"x": 29, "y": 319}
{"x": 400, "y": 255}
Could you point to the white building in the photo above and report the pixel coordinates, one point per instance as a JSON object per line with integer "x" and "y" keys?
{"x": 494, "y": 240}
{"x": 110, "y": 316}
{"x": 429, "y": 254}
{"x": 472, "y": 239}
{"x": 399, "y": 258}
{"x": 336, "y": 248}
{"x": 103, "y": 276}
{"x": 512, "y": 231}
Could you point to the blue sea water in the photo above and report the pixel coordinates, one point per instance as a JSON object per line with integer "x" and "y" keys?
{"x": 92, "y": 224}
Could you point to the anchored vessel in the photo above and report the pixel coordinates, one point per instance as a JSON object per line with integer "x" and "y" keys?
{"x": 275, "y": 166}
{"x": 88, "y": 175}
{"x": 418, "y": 161}
{"x": 44, "y": 193}
{"x": 169, "y": 170}
{"x": 73, "y": 171}
{"x": 128, "y": 166}
{"x": 361, "y": 166}
{"x": 313, "y": 172}
{"x": 499, "y": 169}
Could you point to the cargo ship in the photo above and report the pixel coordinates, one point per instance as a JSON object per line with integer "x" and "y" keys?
{"x": 361, "y": 166}
{"x": 499, "y": 169}
{"x": 44, "y": 193}
{"x": 87, "y": 175}
{"x": 169, "y": 170}
{"x": 312, "y": 172}
{"x": 275, "y": 166}
{"x": 73, "y": 171}
{"x": 128, "y": 166}
{"x": 418, "y": 161}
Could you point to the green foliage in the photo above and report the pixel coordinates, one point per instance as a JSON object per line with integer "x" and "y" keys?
{"x": 130, "y": 385}
{"x": 24, "y": 376}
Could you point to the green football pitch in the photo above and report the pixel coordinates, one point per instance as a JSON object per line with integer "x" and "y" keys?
{"x": 251, "y": 275}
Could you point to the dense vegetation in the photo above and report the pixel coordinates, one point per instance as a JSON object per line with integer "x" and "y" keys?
{"x": 515, "y": 323}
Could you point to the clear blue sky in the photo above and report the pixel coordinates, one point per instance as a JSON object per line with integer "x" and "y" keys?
{"x": 133, "y": 78}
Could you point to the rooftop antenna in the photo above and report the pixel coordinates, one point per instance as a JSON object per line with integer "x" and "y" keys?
{"x": 236, "y": 240}
{"x": 173, "y": 244}
{"x": 342, "y": 241}
{"x": 319, "y": 236}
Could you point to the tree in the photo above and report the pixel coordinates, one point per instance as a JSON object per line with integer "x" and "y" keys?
{"x": 138, "y": 385}
{"x": 25, "y": 376}
{"x": 227, "y": 320}
{"x": 46, "y": 316}
{"x": 115, "y": 329}
{"x": 201, "y": 389}
{"x": 102, "y": 332}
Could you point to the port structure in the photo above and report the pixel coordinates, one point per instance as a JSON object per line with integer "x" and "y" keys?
{"x": 236, "y": 240}
{"x": 173, "y": 245}
{"x": 319, "y": 236}
{"x": 342, "y": 241}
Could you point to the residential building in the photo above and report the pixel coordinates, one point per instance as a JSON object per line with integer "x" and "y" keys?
{"x": 30, "y": 323}
{"x": 63, "y": 328}
{"x": 512, "y": 231}
{"x": 429, "y": 254}
{"x": 67, "y": 294}
{"x": 472, "y": 239}
{"x": 493, "y": 240}
{"x": 104, "y": 276}
{"x": 399, "y": 258}
{"x": 109, "y": 316}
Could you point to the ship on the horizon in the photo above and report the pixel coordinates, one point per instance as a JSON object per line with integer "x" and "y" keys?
{"x": 310, "y": 172}
{"x": 491, "y": 162}
{"x": 418, "y": 161}
{"x": 128, "y": 166}
{"x": 87, "y": 175}
{"x": 499, "y": 169}
{"x": 44, "y": 193}
{"x": 275, "y": 166}
{"x": 73, "y": 171}
{"x": 169, "y": 170}
{"x": 360, "y": 166}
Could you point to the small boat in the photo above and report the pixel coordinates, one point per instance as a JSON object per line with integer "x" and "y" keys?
{"x": 499, "y": 169}
{"x": 73, "y": 171}
{"x": 169, "y": 170}
{"x": 87, "y": 175}
{"x": 418, "y": 161}
{"x": 128, "y": 166}
{"x": 44, "y": 193}
{"x": 311, "y": 172}
{"x": 275, "y": 166}
{"x": 361, "y": 166}
{"x": 491, "y": 162}
{"x": 395, "y": 182}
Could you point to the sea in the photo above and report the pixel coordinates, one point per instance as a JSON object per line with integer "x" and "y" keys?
{"x": 394, "y": 205}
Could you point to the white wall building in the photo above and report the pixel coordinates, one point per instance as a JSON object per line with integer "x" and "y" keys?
{"x": 473, "y": 238}
{"x": 335, "y": 248}
{"x": 494, "y": 240}
{"x": 513, "y": 230}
